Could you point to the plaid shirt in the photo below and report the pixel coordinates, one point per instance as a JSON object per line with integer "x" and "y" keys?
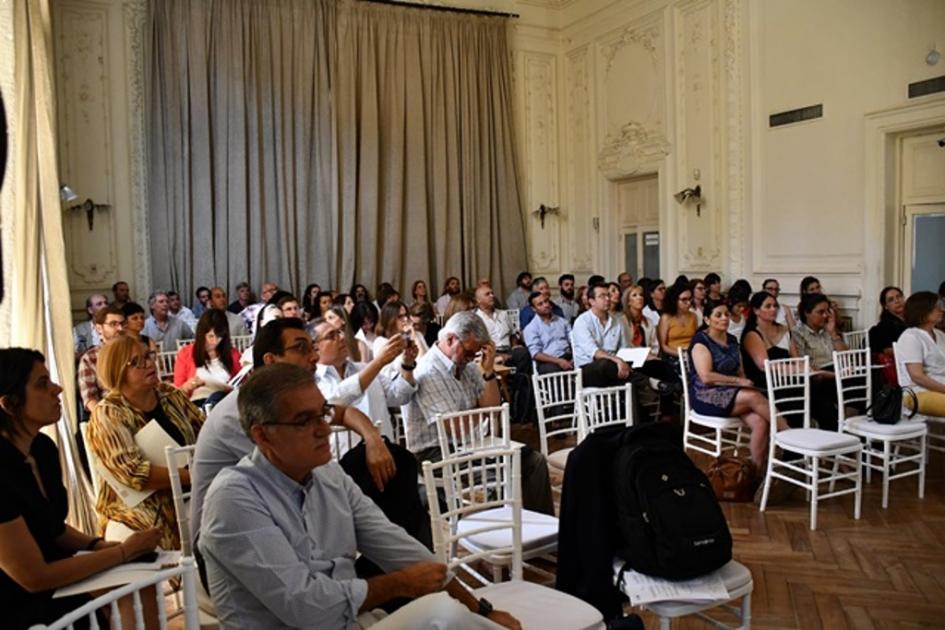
{"x": 439, "y": 390}
{"x": 90, "y": 389}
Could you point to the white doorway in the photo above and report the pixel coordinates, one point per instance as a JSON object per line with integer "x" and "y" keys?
{"x": 923, "y": 248}
{"x": 638, "y": 229}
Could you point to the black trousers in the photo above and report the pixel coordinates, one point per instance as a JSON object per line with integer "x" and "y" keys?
{"x": 522, "y": 405}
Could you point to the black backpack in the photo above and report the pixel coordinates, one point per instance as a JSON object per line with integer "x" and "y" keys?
{"x": 669, "y": 521}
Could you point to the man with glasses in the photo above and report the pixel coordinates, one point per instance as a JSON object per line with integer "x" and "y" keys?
{"x": 109, "y": 324}
{"x": 222, "y": 442}
{"x": 283, "y": 527}
{"x": 597, "y": 338}
{"x": 448, "y": 381}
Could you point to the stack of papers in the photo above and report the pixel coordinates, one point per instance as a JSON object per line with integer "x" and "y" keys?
{"x": 151, "y": 439}
{"x": 646, "y": 589}
{"x": 120, "y": 575}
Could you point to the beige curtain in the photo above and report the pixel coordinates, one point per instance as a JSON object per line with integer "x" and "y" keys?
{"x": 330, "y": 141}
{"x": 39, "y": 288}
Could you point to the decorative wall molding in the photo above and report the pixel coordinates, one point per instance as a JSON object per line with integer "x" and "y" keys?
{"x": 645, "y": 35}
{"x": 734, "y": 61}
{"x": 134, "y": 14}
{"x": 634, "y": 149}
{"x": 581, "y": 208}
{"x": 541, "y": 157}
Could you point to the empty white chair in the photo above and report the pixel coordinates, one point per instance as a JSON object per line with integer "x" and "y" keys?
{"x": 165, "y": 364}
{"x": 856, "y": 339}
{"x": 600, "y": 407}
{"x": 823, "y": 452}
{"x": 241, "y": 342}
{"x": 556, "y": 397}
{"x": 935, "y": 440}
{"x": 725, "y": 432}
{"x": 186, "y": 571}
{"x": 854, "y": 387}
{"x": 462, "y": 431}
{"x": 180, "y": 457}
{"x": 476, "y": 484}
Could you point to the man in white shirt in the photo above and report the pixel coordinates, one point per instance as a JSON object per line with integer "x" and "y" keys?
{"x": 84, "y": 335}
{"x": 597, "y": 338}
{"x": 450, "y": 289}
{"x": 509, "y": 351}
{"x": 181, "y": 312}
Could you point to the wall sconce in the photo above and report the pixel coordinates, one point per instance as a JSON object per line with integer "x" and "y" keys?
{"x": 687, "y": 195}
{"x": 544, "y": 211}
{"x": 66, "y": 194}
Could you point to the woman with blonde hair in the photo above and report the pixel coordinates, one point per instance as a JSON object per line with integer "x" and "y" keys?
{"x": 135, "y": 399}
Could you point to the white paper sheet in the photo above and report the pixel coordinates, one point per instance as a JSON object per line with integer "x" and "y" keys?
{"x": 151, "y": 439}
{"x": 634, "y": 356}
{"x": 645, "y": 589}
{"x": 127, "y": 494}
{"x": 122, "y": 574}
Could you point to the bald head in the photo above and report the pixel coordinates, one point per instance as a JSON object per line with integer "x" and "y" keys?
{"x": 485, "y": 297}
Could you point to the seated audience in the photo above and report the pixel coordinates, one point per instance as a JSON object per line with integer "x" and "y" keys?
{"x": 816, "y": 336}
{"x": 419, "y": 293}
{"x": 84, "y": 335}
{"x": 394, "y": 321}
{"x": 110, "y": 323}
{"x": 134, "y": 324}
{"x": 737, "y": 300}
{"x": 548, "y": 337}
{"x": 922, "y": 352}
{"x": 449, "y": 381}
{"x": 204, "y": 367}
{"x": 640, "y": 331}
{"x": 345, "y": 301}
{"x": 718, "y": 386}
{"x": 583, "y": 304}
{"x": 518, "y": 298}
{"x": 161, "y": 326}
{"x": 339, "y": 318}
{"x": 38, "y": 548}
{"x": 422, "y": 320}
{"x": 282, "y": 529}
{"x": 713, "y": 288}
{"x": 677, "y": 324}
{"x": 244, "y": 297}
{"x": 655, "y": 292}
{"x": 251, "y": 313}
{"x": 697, "y": 286}
{"x": 465, "y": 301}
{"x": 289, "y": 305}
{"x": 764, "y": 338}
{"x": 364, "y": 322}
{"x": 121, "y": 293}
{"x": 176, "y": 308}
{"x": 203, "y": 301}
{"x": 386, "y": 293}
{"x": 366, "y": 386}
{"x": 451, "y": 288}
{"x": 597, "y": 338}
{"x": 235, "y": 323}
{"x": 891, "y": 321}
{"x": 310, "y": 298}
{"x": 624, "y": 281}
{"x": 785, "y": 317}
{"x": 360, "y": 293}
{"x": 570, "y": 308}
{"x": 508, "y": 350}
{"x": 526, "y": 313}
{"x": 135, "y": 398}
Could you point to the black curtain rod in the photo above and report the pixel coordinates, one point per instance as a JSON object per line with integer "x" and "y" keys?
{"x": 436, "y": 7}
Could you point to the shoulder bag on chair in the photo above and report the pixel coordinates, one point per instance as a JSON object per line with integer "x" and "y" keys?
{"x": 887, "y": 404}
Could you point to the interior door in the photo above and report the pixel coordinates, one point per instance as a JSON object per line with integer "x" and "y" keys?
{"x": 923, "y": 249}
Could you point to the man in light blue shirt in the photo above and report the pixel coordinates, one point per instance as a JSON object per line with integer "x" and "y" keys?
{"x": 548, "y": 337}
{"x": 162, "y": 327}
{"x": 282, "y": 529}
{"x": 597, "y": 337}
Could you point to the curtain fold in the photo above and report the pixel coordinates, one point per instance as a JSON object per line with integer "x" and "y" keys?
{"x": 40, "y": 287}
{"x": 314, "y": 140}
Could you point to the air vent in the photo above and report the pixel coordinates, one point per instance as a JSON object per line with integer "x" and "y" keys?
{"x": 796, "y": 115}
{"x": 929, "y": 86}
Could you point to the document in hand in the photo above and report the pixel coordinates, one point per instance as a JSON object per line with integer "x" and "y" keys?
{"x": 151, "y": 439}
{"x": 634, "y": 356}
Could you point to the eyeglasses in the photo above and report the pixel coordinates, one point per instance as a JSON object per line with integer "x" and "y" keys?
{"x": 304, "y": 346}
{"x": 772, "y": 290}
{"x": 326, "y": 416}
{"x": 120, "y": 324}
{"x": 142, "y": 361}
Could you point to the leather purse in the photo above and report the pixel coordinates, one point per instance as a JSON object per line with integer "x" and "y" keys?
{"x": 732, "y": 479}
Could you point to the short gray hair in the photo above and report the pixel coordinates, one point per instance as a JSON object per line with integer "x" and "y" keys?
{"x": 260, "y": 396}
{"x": 154, "y": 296}
{"x": 462, "y": 325}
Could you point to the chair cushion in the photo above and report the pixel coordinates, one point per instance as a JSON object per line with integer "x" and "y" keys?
{"x": 537, "y": 606}
{"x": 716, "y": 422}
{"x": 862, "y": 425}
{"x": 559, "y": 459}
{"x": 538, "y": 529}
{"x": 815, "y": 440}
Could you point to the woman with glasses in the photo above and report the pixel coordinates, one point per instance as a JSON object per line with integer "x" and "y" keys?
{"x": 136, "y": 398}
{"x": 203, "y": 368}
{"x": 39, "y": 550}
{"x": 677, "y": 324}
{"x": 785, "y": 317}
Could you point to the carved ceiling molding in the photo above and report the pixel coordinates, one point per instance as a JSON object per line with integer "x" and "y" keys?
{"x": 134, "y": 14}
{"x": 632, "y": 149}
{"x": 644, "y": 35}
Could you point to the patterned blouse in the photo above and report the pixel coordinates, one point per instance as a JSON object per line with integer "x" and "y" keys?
{"x": 111, "y": 437}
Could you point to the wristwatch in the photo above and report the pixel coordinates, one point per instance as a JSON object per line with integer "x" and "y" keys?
{"x": 485, "y": 607}
{"x": 488, "y": 377}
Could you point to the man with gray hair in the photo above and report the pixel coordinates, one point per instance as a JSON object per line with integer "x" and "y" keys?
{"x": 163, "y": 327}
{"x": 281, "y": 530}
{"x": 448, "y": 381}
{"x": 84, "y": 335}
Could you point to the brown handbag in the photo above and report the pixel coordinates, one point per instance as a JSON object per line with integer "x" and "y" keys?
{"x": 732, "y": 479}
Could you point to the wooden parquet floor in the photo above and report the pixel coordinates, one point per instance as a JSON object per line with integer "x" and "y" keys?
{"x": 885, "y": 571}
